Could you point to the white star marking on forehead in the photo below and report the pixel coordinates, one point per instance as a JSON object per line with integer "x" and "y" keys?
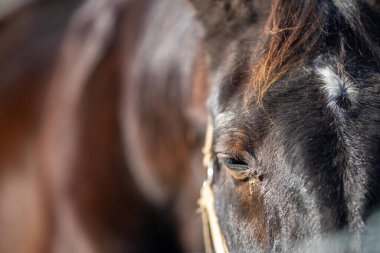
{"x": 338, "y": 89}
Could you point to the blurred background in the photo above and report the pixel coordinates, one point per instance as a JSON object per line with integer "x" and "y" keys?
{"x": 102, "y": 123}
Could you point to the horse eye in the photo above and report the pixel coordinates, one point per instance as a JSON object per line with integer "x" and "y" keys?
{"x": 235, "y": 163}
{"x": 237, "y": 167}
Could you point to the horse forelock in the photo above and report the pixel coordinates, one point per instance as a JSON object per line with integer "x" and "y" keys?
{"x": 297, "y": 31}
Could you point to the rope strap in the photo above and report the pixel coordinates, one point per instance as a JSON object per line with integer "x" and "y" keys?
{"x": 212, "y": 234}
{"x": 211, "y": 229}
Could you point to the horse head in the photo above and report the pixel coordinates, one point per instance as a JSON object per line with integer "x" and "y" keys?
{"x": 294, "y": 107}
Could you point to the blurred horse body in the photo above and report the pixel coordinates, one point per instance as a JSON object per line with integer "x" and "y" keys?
{"x": 71, "y": 92}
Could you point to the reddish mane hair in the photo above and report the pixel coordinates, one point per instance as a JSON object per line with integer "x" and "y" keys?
{"x": 293, "y": 33}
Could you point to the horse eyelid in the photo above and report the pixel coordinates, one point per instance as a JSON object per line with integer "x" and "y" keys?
{"x": 244, "y": 158}
{"x": 239, "y": 170}
{"x": 232, "y": 162}
{"x": 238, "y": 166}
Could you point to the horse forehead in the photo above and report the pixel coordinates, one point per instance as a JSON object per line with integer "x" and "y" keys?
{"x": 336, "y": 85}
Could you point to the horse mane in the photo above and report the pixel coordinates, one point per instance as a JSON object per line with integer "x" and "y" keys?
{"x": 296, "y": 30}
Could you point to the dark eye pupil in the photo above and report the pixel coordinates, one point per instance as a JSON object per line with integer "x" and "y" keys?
{"x": 235, "y": 162}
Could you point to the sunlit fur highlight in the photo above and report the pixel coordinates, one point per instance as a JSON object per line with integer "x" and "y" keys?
{"x": 293, "y": 33}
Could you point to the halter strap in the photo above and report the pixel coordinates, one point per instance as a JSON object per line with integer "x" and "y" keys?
{"x": 213, "y": 237}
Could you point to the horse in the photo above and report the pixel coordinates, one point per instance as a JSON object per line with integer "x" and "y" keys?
{"x": 294, "y": 110}
{"x": 68, "y": 181}
{"x": 113, "y": 159}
